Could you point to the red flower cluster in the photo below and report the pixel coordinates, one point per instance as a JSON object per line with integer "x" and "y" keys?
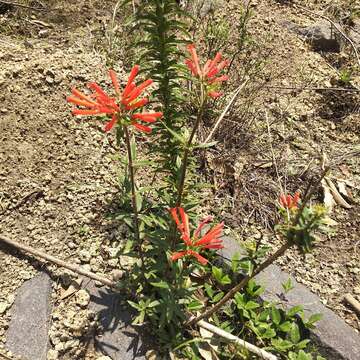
{"x": 211, "y": 240}
{"x": 290, "y": 202}
{"x": 126, "y": 101}
{"x": 209, "y": 71}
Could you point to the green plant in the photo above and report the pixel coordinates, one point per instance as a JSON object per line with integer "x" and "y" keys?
{"x": 163, "y": 30}
{"x": 176, "y": 272}
{"x": 345, "y": 76}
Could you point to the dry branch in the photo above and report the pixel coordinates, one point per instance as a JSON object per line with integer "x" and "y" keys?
{"x": 250, "y": 347}
{"x": 352, "y": 302}
{"x": 221, "y": 117}
{"x": 57, "y": 261}
{"x": 280, "y": 252}
{"x": 305, "y": 88}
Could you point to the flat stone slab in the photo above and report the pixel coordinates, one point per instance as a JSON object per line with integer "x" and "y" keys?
{"x": 335, "y": 339}
{"x": 338, "y": 340}
{"x": 27, "y": 335}
{"x": 120, "y": 340}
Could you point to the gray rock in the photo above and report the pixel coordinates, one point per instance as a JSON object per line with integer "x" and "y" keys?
{"x": 322, "y": 36}
{"x": 335, "y": 339}
{"x": 119, "y": 339}
{"x": 28, "y": 329}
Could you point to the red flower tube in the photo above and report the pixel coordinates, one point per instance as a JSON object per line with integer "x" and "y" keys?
{"x": 211, "y": 240}
{"x": 290, "y": 202}
{"x": 208, "y": 72}
{"x": 124, "y": 104}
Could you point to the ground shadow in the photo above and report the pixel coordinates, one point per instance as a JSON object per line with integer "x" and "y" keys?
{"x": 117, "y": 337}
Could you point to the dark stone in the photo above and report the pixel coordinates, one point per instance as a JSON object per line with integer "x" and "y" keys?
{"x": 335, "y": 339}
{"x": 28, "y": 330}
{"x": 119, "y": 339}
{"x": 322, "y": 36}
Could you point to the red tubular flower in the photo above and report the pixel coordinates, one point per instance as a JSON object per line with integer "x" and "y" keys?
{"x": 209, "y": 71}
{"x": 211, "y": 240}
{"x": 124, "y": 103}
{"x": 290, "y": 202}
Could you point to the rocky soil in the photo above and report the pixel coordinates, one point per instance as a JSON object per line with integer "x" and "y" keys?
{"x": 58, "y": 174}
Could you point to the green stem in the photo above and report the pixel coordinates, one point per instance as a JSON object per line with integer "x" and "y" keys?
{"x": 188, "y": 146}
{"x": 133, "y": 188}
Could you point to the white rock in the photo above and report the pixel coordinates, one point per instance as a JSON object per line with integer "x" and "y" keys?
{"x": 84, "y": 256}
{"x": 3, "y": 307}
{"x": 52, "y": 355}
{"x": 82, "y": 298}
{"x": 72, "y": 344}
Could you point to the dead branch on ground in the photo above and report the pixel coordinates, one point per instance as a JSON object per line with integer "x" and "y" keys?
{"x": 56, "y": 261}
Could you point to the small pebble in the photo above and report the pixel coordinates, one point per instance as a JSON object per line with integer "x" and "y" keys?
{"x": 82, "y": 298}
{"x": 52, "y": 354}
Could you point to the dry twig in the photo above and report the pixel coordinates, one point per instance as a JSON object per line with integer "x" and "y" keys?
{"x": 304, "y": 88}
{"x": 231, "y": 293}
{"x": 221, "y": 117}
{"x": 57, "y": 261}
{"x": 224, "y": 334}
{"x": 272, "y": 152}
{"x": 352, "y": 302}
{"x": 3, "y": 356}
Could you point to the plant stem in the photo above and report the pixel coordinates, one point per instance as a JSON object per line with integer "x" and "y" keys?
{"x": 133, "y": 188}
{"x": 231, "y": 293}
{"x": 188, "y": 146}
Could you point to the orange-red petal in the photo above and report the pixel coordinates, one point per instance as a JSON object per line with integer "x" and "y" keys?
{"x": 211, "y": 235}
{"x": 148, "y": 117}
{"x": 142, "y": 127}
{"x": 78, "y": 101}
{"x": 191, "y": 66}
{"x": 201, "y": 225}
{"x": 111, "y": 123}
{"x": 115, "y": 81}
{"x": 129, "y": 85}
{"x": 137, "y": 104}
{"x": 198, "y": 257}
{"x": 97, "y": 88}
{"x": 195, "y": 59}
{"x": 219, "y": 79}
{"x": 138, "y": 90}
{"x": 81, "y": 95}
{"x": 185, "y": 226}
{"x": 213, "y": 64}
{"x": 215, "y": 94}
{"x": 296, "y": 199}
{"x": 127, "y": 91}
{"x": 85, "y": 112}
{"x": 174, "y": 214}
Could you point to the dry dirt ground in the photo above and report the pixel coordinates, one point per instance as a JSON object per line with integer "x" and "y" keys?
{"x": 280, "y": 142}
{"x": 58, "y": 174}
